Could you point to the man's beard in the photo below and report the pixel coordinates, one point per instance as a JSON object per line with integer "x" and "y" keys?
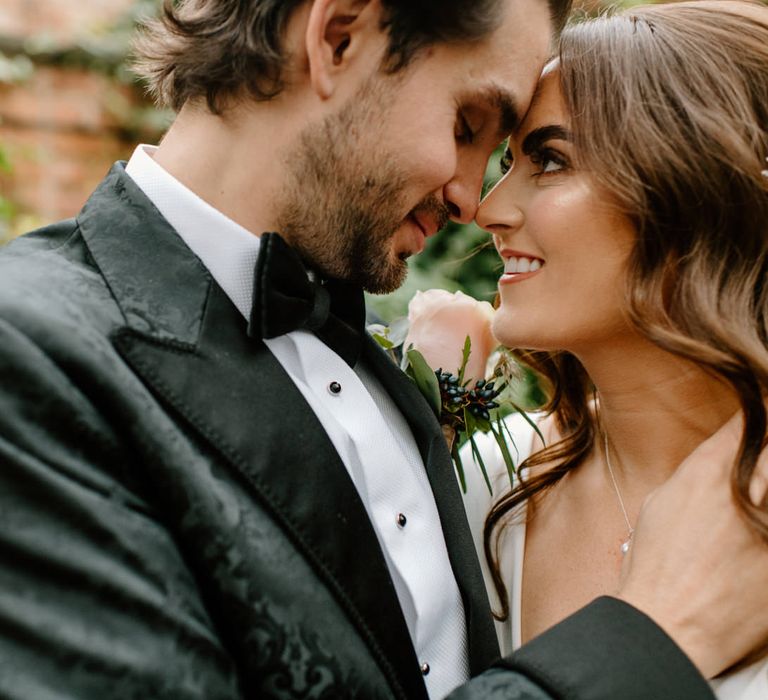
{"x": 346, "y": 198}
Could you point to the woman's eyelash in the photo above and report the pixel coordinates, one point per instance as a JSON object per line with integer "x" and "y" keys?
{"x": 543, "y": 156}
{"x": 539, "y": 158}
{"x": 506, "y": 161}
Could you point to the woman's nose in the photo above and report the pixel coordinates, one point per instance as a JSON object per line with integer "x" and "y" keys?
{"x": 499, "y": 212}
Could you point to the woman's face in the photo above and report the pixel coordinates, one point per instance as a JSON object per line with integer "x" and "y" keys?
{"x": 564, "y": 249}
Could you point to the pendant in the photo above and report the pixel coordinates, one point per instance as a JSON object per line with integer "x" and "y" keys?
{"x": 626, "y": 545}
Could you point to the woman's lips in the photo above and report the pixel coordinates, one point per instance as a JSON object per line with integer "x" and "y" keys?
{"x": 520, "y": 267}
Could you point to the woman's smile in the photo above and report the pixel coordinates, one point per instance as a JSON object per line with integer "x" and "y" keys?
{"x": 519, "y": 266}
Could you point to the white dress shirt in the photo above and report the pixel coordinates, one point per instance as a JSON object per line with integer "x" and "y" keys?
{"x": 366, "y": 428}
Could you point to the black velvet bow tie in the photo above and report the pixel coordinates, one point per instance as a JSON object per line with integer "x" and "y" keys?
{"x": 285, "y": 299}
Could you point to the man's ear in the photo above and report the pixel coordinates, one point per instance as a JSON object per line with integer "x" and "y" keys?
{"x": 337, "y": 33}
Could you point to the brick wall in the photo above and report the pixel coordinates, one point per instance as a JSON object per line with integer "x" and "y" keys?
{"x": 63, "y": 21}
{"x": 63, "y": 126}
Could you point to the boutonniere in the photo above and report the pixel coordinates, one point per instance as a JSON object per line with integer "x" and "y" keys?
{"x": 447, "y": 348}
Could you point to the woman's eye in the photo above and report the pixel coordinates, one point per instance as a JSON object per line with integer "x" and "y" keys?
{"x": 548, "y": 161}
{"x": 506, "y": 161}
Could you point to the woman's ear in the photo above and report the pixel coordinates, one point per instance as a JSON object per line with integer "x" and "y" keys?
{"x": 337, "y": 30}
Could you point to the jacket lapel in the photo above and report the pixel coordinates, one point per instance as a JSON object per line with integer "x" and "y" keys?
{"x": 483, "y": 645}
{"x": 188, "y": 343}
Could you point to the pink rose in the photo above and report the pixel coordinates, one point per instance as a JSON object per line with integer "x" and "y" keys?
{"x": 439, "y": 324}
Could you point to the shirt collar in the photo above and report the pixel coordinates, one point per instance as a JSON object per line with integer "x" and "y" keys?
{"x": 227, "y": 250}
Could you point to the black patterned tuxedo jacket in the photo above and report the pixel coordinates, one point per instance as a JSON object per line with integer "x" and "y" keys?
{"x": 174, "y": 522}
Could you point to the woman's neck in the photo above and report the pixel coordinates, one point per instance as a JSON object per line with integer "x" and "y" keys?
{"x": 654, "y": 407}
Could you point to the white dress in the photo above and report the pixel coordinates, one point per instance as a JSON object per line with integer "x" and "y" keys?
{"x": 749, "y": 684}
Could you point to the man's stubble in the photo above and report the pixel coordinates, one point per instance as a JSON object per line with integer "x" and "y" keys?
{"x": 346, "y": 196}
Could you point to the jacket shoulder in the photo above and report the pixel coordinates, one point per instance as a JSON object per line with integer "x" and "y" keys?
{"x": 48, "y": 281}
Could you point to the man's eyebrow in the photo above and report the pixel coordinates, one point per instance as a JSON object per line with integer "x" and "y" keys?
{"x": 505, "y": 104}
{"x": 537, "y": 137}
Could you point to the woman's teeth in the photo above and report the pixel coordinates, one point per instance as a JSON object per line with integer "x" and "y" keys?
{"x": 520, "y": 265}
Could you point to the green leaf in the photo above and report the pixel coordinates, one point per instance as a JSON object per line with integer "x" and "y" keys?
{"x": 484, "y": 426}
{"x": 511, "y": 438}
{"x": 384, "y": 342}
{"x": 502, "y": 443}
{"x": 479, "y": 459}
{"x": 471, "y": 422}
{"x": 530, "y": 422}
{"x": 466, "y": 352}
{"x": 425, "y": 379}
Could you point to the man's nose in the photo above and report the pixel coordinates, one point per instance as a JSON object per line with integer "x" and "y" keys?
{"x": 462, "y": 194}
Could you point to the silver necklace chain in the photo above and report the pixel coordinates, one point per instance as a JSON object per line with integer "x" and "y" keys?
{"x": 630, "y": 529}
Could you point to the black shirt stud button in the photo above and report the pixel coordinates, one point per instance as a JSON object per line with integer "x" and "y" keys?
{"x": 334, "y": 388}
{"x": 425, "y": 669}
{"x": 401, "y": 520}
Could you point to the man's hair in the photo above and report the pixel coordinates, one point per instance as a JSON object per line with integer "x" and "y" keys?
{"x": 217, "y": 49}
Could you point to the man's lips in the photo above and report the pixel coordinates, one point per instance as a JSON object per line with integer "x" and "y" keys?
{"x": 428, "y": 226}
{"x": 412, "y": 237}
{"x": 425, "y": 221}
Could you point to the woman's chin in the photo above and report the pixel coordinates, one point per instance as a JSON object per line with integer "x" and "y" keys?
{"x": 512, "y": 332}
{"x": 507, "y": 329}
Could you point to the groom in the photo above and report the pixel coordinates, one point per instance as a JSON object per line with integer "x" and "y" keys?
{"x": 213, "y": 484}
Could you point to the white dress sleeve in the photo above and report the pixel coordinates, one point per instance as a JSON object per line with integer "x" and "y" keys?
{"x": 750, "y": 683}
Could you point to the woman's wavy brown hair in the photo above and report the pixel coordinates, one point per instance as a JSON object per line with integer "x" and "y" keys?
{"x": 669, "y": 113}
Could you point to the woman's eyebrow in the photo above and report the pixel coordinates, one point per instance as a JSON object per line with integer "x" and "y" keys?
{"x": 537, "y": 137}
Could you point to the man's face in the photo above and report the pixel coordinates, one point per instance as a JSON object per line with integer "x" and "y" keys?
{"x": 371, "y": 182}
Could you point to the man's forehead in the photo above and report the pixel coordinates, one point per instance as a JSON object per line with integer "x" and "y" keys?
{"x": 507, "y": 65}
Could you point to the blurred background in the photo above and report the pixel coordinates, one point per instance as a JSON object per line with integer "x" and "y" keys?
{"x": 70, "y": 107}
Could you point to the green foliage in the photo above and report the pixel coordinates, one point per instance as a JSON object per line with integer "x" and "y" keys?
{"x": 15, "y": 69}
{"x": 7, "y": 208}
{"x": 5, "y": 163}
{"x": 425, "y": 379}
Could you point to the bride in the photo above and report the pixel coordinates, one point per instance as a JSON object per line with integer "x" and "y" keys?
{"x": 633, "y": 225}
